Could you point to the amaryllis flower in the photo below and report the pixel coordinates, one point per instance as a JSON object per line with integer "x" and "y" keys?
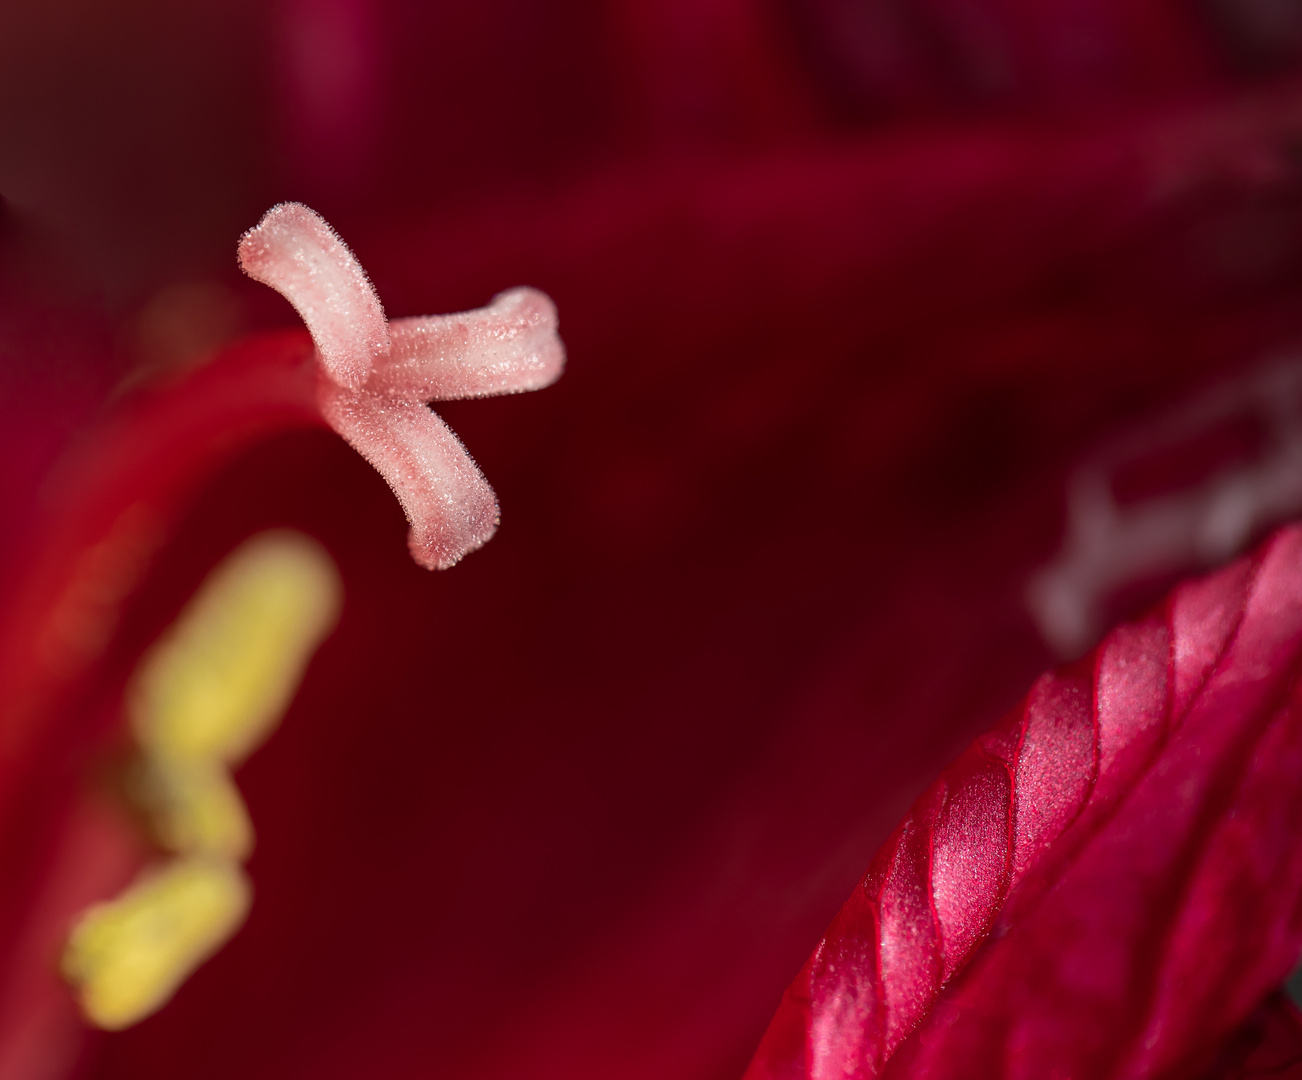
{"x": 852, "y": 303}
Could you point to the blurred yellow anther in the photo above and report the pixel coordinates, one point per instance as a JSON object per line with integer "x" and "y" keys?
{"x": 204, "y": 697}
{"x": 195, "y": 808}
{"x": 128, "y": 956}
{"x": 218, "y": 681}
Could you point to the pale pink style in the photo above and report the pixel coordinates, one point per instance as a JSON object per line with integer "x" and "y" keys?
{"x": 377, "y": 376}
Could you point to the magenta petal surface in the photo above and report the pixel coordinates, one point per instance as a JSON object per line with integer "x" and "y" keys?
{"x": 1129, "y": 908}
{"x": 969, "y": 857}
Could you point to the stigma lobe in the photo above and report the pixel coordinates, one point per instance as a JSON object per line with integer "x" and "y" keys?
{"x": 506, "y": 348}
{"x": 293, "y": 250}
{"x": 377, "y": 377}
{"x": 451, "y": 508}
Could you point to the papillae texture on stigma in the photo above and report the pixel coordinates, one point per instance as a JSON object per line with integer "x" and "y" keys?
{"x": 377, "y": 377}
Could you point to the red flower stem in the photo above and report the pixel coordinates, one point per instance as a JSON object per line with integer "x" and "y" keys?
{"x": 113, "y": 504}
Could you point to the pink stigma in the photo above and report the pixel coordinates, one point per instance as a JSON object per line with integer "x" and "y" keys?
{"x": 376, "y": 376}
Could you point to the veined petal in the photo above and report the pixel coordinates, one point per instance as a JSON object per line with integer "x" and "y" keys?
{"x": 1151, "y": 853}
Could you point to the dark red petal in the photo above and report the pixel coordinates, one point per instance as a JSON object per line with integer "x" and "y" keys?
{"x": 1150, "y": 847}
{"x": 1268, "y": 1045}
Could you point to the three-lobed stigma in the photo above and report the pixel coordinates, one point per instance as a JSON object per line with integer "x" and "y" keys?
{"x": 207, "y": 694}
{"x": 377, "y": 376}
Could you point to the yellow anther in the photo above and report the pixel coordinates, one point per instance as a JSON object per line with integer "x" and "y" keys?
{"x": 195, "y": 808}
{"x": 127, "y": 957}
{"x": 218, "y": 681}
{"x": 202, "y": 699}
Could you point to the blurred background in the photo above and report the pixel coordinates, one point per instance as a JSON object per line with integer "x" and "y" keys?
{"x": 145, "y": 136}
{"x": 911, "y": 344}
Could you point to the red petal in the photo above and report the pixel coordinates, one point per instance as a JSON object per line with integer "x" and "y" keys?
{"x": 1151, "y": 853}
{"x": 1268, "y": 1045}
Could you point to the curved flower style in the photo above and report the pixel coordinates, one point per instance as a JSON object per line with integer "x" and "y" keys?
{"x": 219, "y": 680}
{"x": 377, "y": 376}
